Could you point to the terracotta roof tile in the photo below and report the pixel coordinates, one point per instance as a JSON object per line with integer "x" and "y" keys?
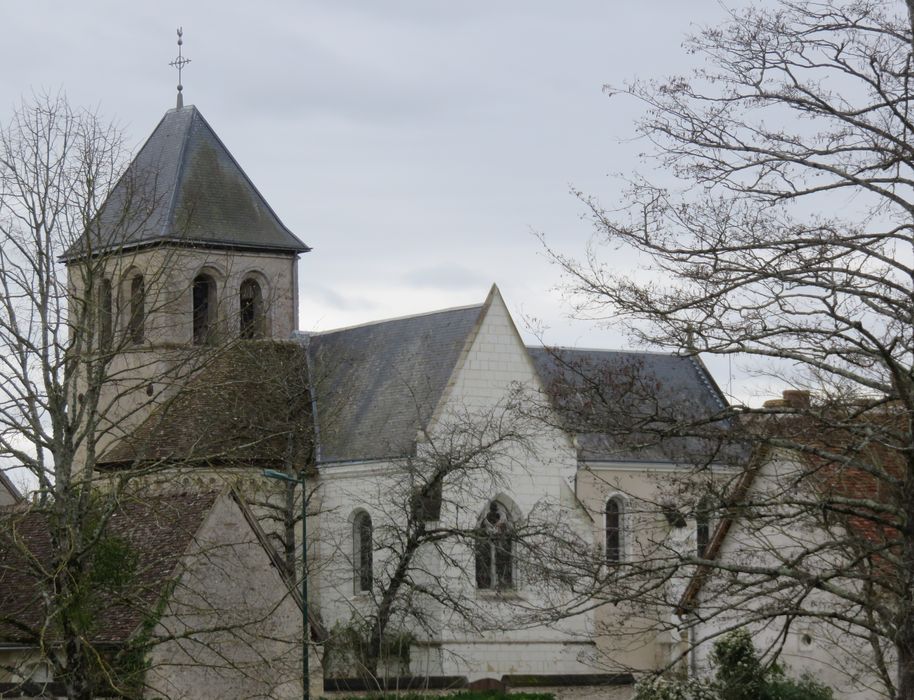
{"x": 150, "y": 533}
{"x": 249, "y": 405}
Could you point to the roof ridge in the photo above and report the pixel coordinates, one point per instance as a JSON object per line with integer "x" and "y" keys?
{"x": 617, "y": 351}
{"x": 167, "y": 225}
{"x": 382, "y": 321}
{"x": 706, "y": 379}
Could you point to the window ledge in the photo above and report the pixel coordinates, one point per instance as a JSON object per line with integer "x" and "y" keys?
{"x": 490, "y": 594}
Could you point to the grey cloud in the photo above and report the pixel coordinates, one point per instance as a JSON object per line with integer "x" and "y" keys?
{"x": 444, "y": 276}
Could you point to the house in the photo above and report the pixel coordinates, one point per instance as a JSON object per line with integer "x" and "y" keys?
{"x": 184, "y": 597}
{"x": 435, "y": 448}
{"x": 805, "y": 553}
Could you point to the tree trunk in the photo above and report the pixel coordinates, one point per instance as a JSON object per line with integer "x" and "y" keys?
{"x": 905, "y": 649}
{"x": 76, "y": 674}
{"x": 385, "y": 607}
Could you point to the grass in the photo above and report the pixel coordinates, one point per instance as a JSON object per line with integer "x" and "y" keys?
{"x": 461, "y": 695}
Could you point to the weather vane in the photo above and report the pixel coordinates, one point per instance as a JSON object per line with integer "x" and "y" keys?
{"x": 179, "y": 63}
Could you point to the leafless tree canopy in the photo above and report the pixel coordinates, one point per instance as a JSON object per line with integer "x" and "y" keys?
{"x": 75, "y": 366}
{"x": 787, "y": 236}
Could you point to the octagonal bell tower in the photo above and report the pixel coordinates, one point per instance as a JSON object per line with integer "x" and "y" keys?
{"x": 185, "y": 254}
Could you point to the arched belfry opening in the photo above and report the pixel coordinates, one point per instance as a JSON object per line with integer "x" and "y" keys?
{"x": 240, "y": 257}
{"x": 136, "y": 320}
{"x": 251, "y": 314}
{"x": 204, "y": 309}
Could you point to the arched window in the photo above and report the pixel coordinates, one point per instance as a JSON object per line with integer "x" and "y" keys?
{"x": 702, "y": 527}
{"x": 204, "y": 308}
{"x": 136, "y": 324}
{"x": 614, "y": 515}
{"x": 362, "y": 546}
{"x": 251, "y": 311}
{"x": 105, "y": 313}
{"x": 494, "y": 550}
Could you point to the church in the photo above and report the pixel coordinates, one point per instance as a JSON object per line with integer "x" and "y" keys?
{"x": 441, "y": 459}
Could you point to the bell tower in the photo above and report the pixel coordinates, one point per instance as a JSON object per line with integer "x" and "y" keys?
{"x": 185, "y": 254}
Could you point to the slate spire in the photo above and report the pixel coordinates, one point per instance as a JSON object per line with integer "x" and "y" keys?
{"x": 185, "y": 188}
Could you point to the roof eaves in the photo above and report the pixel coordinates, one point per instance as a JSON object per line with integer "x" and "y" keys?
{"x": 182, "y": 242}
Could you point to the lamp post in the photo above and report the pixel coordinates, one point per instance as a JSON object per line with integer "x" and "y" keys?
{"x": 282, "y": 476}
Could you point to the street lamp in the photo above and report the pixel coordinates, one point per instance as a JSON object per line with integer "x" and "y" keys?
{"x": 282, "y": 476}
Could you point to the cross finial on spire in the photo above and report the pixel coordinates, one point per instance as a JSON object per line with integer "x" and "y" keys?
{"x": 179, "y": 63}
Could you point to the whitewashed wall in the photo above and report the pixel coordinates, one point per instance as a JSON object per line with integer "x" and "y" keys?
{"x": 536, "y": 470}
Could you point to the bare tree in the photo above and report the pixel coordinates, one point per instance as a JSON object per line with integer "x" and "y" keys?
{"x": 56, "y": 165}
{"x": 788, "y": 239}
{"x": 79, "y": 374}
{"x": 432, "y": 547}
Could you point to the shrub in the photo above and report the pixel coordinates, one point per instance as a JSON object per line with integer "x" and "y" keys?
{"x": 739, "y": 675}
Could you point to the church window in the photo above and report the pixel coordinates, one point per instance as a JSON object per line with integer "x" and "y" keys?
{"x": 204, "y": 309}
{"x": 613, "y": 520}
{"x": 362, "y": 552}
{"x": 702, "y": 527}
{"x": 251, "y": 311}
{"x": 105, "y": 313}
{"x": 136, "y": 325}
{"x": 494, "y": 550}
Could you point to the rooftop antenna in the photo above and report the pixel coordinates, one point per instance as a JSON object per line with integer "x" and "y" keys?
{"x": 179, "y": 63}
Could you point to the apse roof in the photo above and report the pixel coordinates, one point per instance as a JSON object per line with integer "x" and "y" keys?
{"x": 185, "y": 187}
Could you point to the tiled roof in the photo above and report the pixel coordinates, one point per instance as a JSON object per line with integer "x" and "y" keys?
{"x": 185, "y": 187}
{"x": 157, "y": 531}
{"x": 626, "y": 406}
{"x": 248, "y": 405}
{"x": 377, "y": 385}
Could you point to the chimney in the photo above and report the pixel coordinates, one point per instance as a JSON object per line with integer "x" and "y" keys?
{"x": 796, "y": 398}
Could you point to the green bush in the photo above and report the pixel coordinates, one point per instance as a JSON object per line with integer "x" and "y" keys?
{"x": 739, "y": 675}
{"x": 676, "y": 689}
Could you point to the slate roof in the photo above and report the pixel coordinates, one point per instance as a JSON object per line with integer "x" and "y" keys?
{"x": 629, "y": 406}
{"x": 185, "y": 187}
{"x": 157, "y": 529}
{"x": 249, "y": 405}
{"x": 376, "y": 385}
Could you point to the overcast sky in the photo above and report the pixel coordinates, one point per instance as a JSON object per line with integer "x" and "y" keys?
{"x": 415, "y": 145}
